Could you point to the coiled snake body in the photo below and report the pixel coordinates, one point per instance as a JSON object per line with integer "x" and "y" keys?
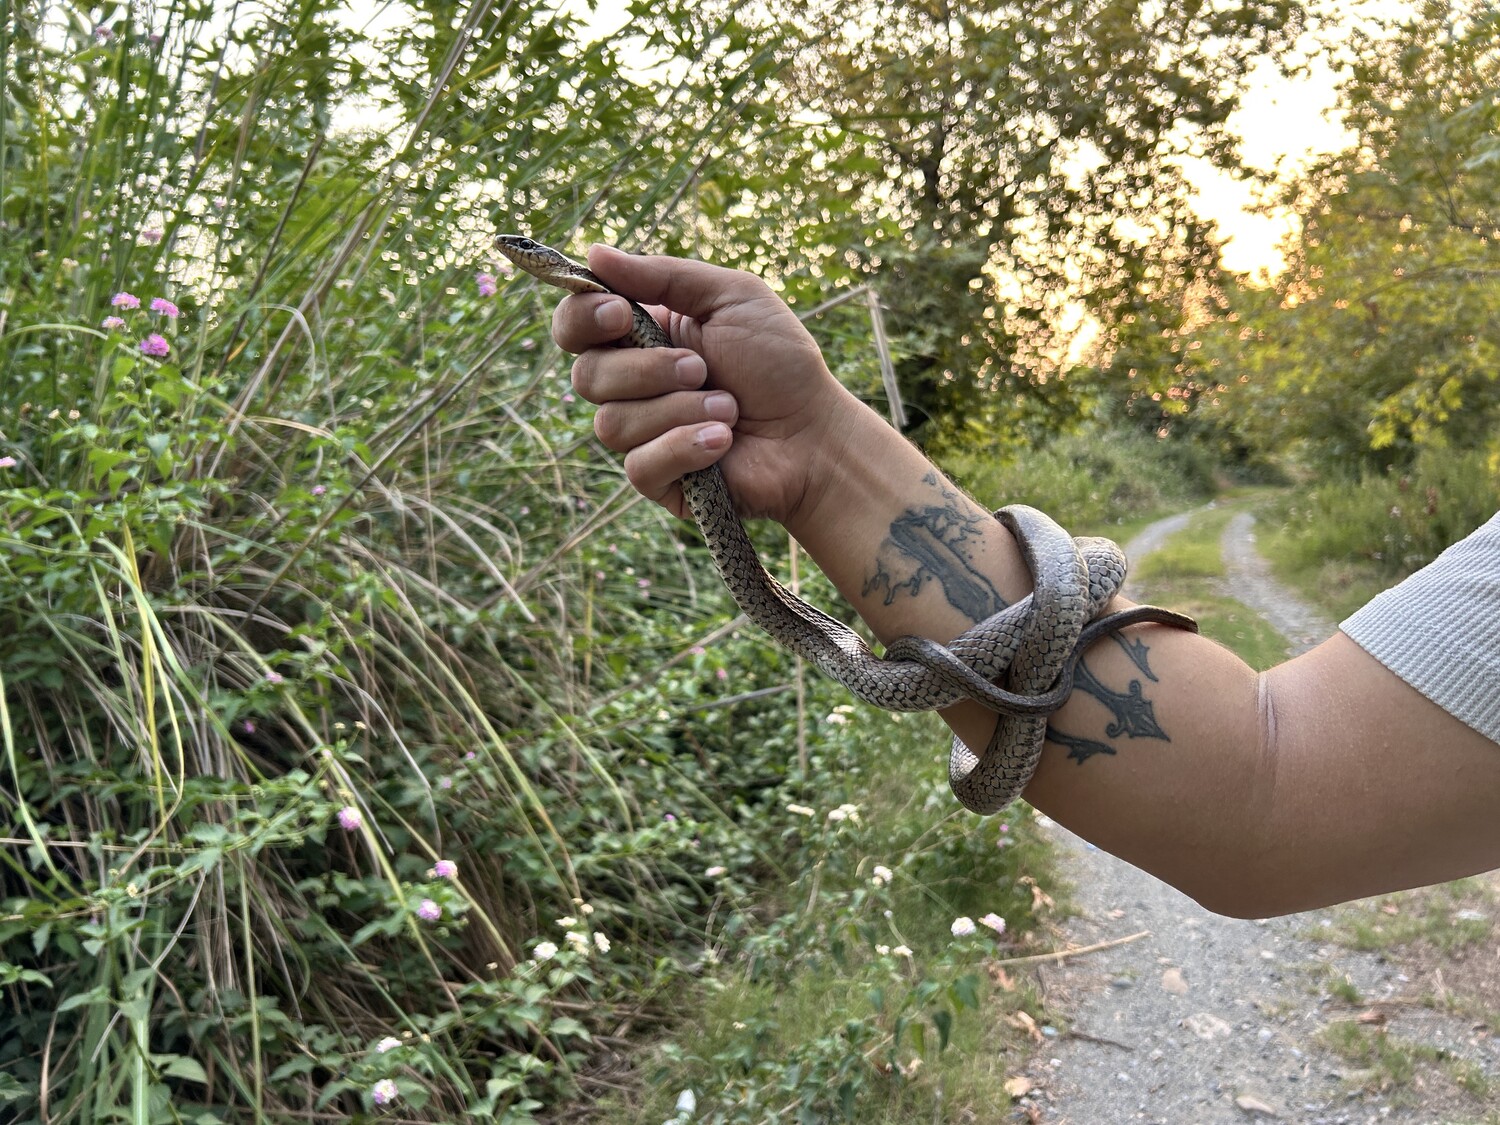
{"x": 1038, "y": 640}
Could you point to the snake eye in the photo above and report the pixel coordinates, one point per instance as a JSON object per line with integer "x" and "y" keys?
{"x": 526, "y": 244}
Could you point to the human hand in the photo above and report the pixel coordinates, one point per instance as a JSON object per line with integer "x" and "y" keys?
{"x": 745, "y": 384}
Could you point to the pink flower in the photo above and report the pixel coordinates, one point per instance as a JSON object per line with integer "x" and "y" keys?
{"x": 486, "y": 282}
{"x": 274, "y": 677}
{"x": 962, "y": 927}
{"x": 994, "y": 922}
{"x": 318, "y": 490}
{"x": 350, "y": 818}
{"x": 112, "y": 322}
{"x": 7, "y": 462}
{"x": 429, "y": 911}
{"x": 643, "y": 583}
{"x": 384, "y": 1092}
{"x": 165, "y": 307}
{"x": 156, "y": 345}
{"x": 151, "y": 235}
{"x": 470, "y": 756}
{"x": 124, "y": 300}
{"x": 103, "y": 34}
{"x": 722, "y": 673}
{"x": 248, "y": 727}
{"x": 444, "y": 869}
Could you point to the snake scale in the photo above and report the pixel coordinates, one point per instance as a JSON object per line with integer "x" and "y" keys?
{"x": 1035, "y": 643}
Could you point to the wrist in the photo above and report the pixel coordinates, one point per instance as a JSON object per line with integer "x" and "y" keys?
{"x": 847, "y": 441}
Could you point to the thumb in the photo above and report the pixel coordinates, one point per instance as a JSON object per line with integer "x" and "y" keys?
{"x": 683, "y": 285}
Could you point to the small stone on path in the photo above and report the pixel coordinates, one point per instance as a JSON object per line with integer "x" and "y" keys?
{"x": 1254, "y": 1106}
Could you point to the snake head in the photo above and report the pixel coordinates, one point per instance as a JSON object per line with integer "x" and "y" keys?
{"x": 547, "y": 264}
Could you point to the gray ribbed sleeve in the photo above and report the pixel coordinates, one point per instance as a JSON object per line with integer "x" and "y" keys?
{"x": 1440, "y": 630}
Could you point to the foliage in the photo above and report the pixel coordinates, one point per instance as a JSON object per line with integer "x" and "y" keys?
{"x": 856, "y": 995}
{"x": 1380, "y": 339}
{"x": 1348, "y": 540}
{"x": 357, "y": 753}
{"x": 1093, "y": 480}
{"x": 992, "y": 171}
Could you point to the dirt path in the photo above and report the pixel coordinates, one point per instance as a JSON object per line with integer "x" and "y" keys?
{"x": 1211, "y": 1019}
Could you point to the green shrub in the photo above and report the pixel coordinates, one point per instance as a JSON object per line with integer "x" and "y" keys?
{"x": 1092, "y": 480}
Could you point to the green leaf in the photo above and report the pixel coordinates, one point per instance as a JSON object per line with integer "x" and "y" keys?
{"x": 180, "y": 1066}
{"x": 942, "y": 1019}
{"x": 97, "y": 995}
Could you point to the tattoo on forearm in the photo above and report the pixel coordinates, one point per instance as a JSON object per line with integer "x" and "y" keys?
{"x": 931, "y": 543}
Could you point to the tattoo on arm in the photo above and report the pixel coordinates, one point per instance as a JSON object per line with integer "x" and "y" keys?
{"x": 1134, "y": 716}
{"x": 931, "y": 542}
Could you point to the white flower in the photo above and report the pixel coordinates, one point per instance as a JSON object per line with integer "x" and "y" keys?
{"x": 601, "y": 942}
{"x": 836, "y": 719}
{"x": 687, "y": 1103}
{"x": 901, "y": 951}
{"x": 994, "y": 922}
{"x": 800, "y": 810}
{"x": 544, "y": 951}
{"x": 882, "y": 949}
{"x": 567, "y": 923}
{"x": 715, "y": 871}
{"x": 845, "y": 812}
{"x": 585, "y": 909}
{"x": 962, "y": 927}
{"x": 881, "y": 876}
{"x": 578, "y": 941}
{"x": 389, "y": 1043}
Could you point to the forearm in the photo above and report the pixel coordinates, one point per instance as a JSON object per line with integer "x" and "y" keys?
{"x": 1167, "y": 753}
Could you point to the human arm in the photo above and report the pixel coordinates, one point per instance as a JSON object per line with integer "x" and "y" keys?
{"x": 1323, "y": 779}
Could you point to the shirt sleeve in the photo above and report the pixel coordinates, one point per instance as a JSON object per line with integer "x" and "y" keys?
{"x": 1439, "y": 630}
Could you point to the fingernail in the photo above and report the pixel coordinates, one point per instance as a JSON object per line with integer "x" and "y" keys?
{"x": 720, "y": 405}
{"x": 712, "y": 437}
{"x": 613, "y": 316}
{"x": 691, "y": 371}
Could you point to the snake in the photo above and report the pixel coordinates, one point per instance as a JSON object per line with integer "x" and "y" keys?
{"x": 1035, "y": 643}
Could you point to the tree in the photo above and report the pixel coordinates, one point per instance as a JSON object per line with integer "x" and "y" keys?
{"x": 1382, "y": 337}
{"x": 994, "y": 168}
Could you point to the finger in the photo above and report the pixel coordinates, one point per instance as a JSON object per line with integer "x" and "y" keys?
{"x": 590, "y": 320}
{"x": 622, "y": 426}
{"x": 683, "y": 285}
{"x": 603, "y": 375}
{"x": 654, "y": 468}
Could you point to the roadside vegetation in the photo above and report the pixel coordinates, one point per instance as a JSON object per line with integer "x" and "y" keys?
{"x": 368, "y": 752}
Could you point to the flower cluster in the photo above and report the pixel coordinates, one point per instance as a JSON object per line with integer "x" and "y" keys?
{"x": 579, "y": 938}
{"x": 963, "y": 927}
{"x": 153, "y": 343}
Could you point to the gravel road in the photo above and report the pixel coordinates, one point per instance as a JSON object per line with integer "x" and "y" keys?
{"x": 1209, "y": 1019}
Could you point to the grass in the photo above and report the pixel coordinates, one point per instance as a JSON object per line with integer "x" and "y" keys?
{"x": 1394, "y": 1065}
{"x": 781, "y": 1026}
{"x": 1436, "y": 915}
{"x": 1187, "y": 574}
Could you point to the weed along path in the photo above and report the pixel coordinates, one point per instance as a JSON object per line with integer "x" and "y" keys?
{"x": 1208, "y": 1020}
